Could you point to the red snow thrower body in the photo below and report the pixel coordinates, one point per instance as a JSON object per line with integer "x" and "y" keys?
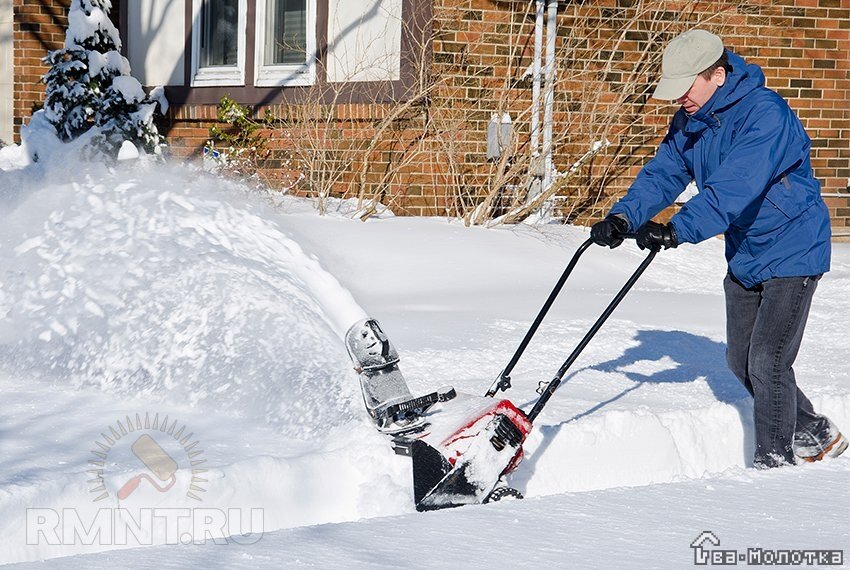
{"x": 465, "y": 466}
{"x": 454, "y": 445}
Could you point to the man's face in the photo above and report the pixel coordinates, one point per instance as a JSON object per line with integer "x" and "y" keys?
{"x": 701, "y": 91}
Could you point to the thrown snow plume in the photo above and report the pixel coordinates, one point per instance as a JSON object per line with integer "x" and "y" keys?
{"x": 153, "y": 283}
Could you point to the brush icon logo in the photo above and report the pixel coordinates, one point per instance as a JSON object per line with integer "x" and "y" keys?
{"x": 162, "y": 469}
{"x": 155, "y": 458}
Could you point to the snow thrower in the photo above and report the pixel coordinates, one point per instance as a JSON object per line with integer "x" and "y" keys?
{"x": 463, "y": 452}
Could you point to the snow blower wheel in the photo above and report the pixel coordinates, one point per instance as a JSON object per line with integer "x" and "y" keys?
{"x": 503, "y": 494}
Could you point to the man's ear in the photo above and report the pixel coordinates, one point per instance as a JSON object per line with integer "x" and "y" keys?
{"x": 719, "y": 76}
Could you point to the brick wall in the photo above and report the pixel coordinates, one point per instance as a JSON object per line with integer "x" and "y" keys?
{"x": 39, "y": 27}
{"x": 434, "y": 151}
{"x": 803, "y": 47}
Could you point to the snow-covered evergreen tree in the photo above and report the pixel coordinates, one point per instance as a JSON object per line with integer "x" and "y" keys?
{"x": 127, "y": 114}
{"x": 89, "y": 85}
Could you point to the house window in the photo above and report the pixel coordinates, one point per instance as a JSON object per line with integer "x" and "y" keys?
{"x": 369, "y": 48}
{"x": 218, "y": 54}
{"x": 286, "y": 42}
{"x": 286, "y": 32}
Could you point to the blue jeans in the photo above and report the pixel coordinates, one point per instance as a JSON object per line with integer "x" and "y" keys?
{"x": 764, "y": 328}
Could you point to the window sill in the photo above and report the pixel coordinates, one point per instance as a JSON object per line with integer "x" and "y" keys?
{"x": 284, "y": 77}
{"x": 218, "y": 78}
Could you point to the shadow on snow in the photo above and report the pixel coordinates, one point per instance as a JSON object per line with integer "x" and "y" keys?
{"x": 697, "y": 357}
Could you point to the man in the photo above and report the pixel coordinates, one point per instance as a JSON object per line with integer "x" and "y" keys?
{"x": 749, "y": 156}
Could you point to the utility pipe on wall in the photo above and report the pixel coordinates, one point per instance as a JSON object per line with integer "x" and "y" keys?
{"x": 549, "y": 98}
{"x": 535, "y": 92}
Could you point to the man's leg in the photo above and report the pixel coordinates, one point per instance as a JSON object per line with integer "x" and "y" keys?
{"x": 742, "y": 307}
{"x": 776, "y": 336}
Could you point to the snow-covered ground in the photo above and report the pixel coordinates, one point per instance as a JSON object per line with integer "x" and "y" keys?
{"x": 162, "y": 301}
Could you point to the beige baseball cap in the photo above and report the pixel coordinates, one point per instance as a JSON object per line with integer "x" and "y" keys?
{"x": 685, "y": 57}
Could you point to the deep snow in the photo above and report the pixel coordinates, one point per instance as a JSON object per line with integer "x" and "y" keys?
{"x": 646, "y": 527}
{"x": 170, "y": 292}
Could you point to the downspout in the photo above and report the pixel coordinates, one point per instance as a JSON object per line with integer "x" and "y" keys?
{"x": 536, "y": 168}
{"x": 535, "y": 92}
{"x": 549, "y": 98}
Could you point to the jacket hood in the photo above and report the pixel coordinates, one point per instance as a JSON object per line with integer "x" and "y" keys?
{"x": 745, "y": 77}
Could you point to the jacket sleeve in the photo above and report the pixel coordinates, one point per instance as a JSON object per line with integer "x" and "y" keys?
{"x": 761, "y": 152}
{"x": 658, "y": 183}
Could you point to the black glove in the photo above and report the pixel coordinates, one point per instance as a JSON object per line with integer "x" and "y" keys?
{"x": 655, "y": 236}
{"x": 607, "y": 232}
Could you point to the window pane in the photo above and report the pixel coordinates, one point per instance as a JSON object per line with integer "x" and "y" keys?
{"x": 286, "y": 32}
{"x": 219, "y": 41}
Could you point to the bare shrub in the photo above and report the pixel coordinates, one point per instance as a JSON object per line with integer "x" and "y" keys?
{"x": 425, "y": 147}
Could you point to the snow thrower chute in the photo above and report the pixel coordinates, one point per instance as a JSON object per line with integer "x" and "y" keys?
{"x": 385, "y": 393}
{"x": 463, "y": 452}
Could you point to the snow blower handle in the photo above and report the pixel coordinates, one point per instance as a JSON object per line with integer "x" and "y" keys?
{"x": 503, "y": 380}
{"x": 559, "y": 376}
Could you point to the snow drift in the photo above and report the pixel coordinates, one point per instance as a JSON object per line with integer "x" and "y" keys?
{"x": 190, "y": 289}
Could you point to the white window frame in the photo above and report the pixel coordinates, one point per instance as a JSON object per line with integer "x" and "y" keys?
{"x": 284, "y": 75}
{"x": 224, "y": 76}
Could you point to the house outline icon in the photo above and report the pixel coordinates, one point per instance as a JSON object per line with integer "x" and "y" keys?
{"x": 705, "y": 535}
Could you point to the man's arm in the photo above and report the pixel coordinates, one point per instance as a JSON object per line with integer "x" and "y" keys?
{"x": 658, "y": 183}
{"x": 758, "y": 156}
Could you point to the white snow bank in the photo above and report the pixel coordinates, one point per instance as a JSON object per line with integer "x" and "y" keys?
{"x": 13, "y": 157}
{"x": 753, "y": 513}
{"x": 154, "y": 282}
{"x": 351, "y": 476}
{"x": 642, "y": 447}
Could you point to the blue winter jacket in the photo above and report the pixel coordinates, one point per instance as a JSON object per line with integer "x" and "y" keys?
{"x": 749, "y": 156}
